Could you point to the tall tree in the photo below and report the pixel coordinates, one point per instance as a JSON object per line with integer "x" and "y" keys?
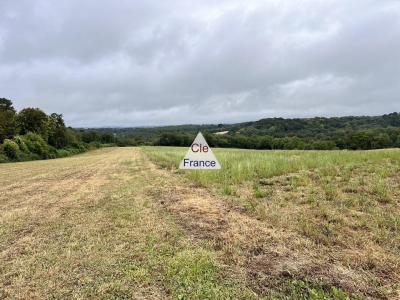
{"x": 6, "y": 104}
{"x": 57, "y": 133}
{"x": 7, "y": 119}
{"x": 32, "y": 120}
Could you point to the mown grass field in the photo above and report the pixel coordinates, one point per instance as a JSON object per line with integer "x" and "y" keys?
{"x": 123, "y": 223}
{"x": 91, "y": 227}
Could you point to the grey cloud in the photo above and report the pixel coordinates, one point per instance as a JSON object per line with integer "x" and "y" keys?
{"x": 127, "y": 63}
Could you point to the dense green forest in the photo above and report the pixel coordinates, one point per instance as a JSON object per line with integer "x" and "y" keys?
{"x": 277, "y": 133}
{"x": 32, "y": 134}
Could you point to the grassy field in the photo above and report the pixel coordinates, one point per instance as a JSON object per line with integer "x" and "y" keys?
{"x": 343, "y": 208}
{"x": 89, "y": 227}
{"x": 122, "y": 223}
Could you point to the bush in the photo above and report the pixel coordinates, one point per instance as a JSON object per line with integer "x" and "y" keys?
{"x": 72, "y": 138}
{"x": 37, "y": 145}
{"x": 21, "y": 143}
{"x": 93, "y": 145}
{"x": 63, "y": 153}
{"x": 81, "y": 148}
{"x": 26, "y": 156}
{"x": 3, "y": 158}
{"x": 11, "y": 149}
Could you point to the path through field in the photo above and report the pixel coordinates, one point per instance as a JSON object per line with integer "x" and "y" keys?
{"x": 110, "y": 224}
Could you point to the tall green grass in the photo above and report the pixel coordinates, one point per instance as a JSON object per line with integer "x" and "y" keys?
{"x": 247, "y": 165}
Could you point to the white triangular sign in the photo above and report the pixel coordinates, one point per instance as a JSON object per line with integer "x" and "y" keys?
{"x": 199, "y": 156}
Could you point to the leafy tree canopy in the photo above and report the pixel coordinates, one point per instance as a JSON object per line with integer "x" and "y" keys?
{"x": 32, "y": 120}
{"x": 6, "y": 104}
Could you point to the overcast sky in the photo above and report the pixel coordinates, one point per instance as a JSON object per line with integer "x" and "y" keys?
{"x": 140, "y": 63}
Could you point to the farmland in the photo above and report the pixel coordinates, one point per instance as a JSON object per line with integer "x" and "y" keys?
{"x": 125, "y": 223}
{"x": 334, "y": 215}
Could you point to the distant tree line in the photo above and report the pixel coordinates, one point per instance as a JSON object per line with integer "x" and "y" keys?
{"x": 32, "y": 134}
{"x": 358, "y": 140}
{"x": 356, "y": 133}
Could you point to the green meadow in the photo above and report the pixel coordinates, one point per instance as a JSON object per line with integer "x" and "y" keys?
{"x": 337, "y": 206}
{"x": 248, "y": 165}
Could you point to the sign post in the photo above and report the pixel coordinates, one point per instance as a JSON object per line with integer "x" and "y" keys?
{"x": 199, "y": 156}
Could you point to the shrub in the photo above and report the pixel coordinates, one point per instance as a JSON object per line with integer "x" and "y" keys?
{"x": 37, "y": 145}
{"x": 3, "y": 158}
{"x": 93, "y": 145}
{"x": 72, "y": 138}
{"x": 26, "y": 156}
{"x": 21, "y": 143}
{"x": 11, "y": 149}
{"x": 63, "y": 153}
{"x": 80, "y": 146}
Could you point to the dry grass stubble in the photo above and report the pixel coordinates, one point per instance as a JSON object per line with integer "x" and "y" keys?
{"x": 84, "y": 227}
